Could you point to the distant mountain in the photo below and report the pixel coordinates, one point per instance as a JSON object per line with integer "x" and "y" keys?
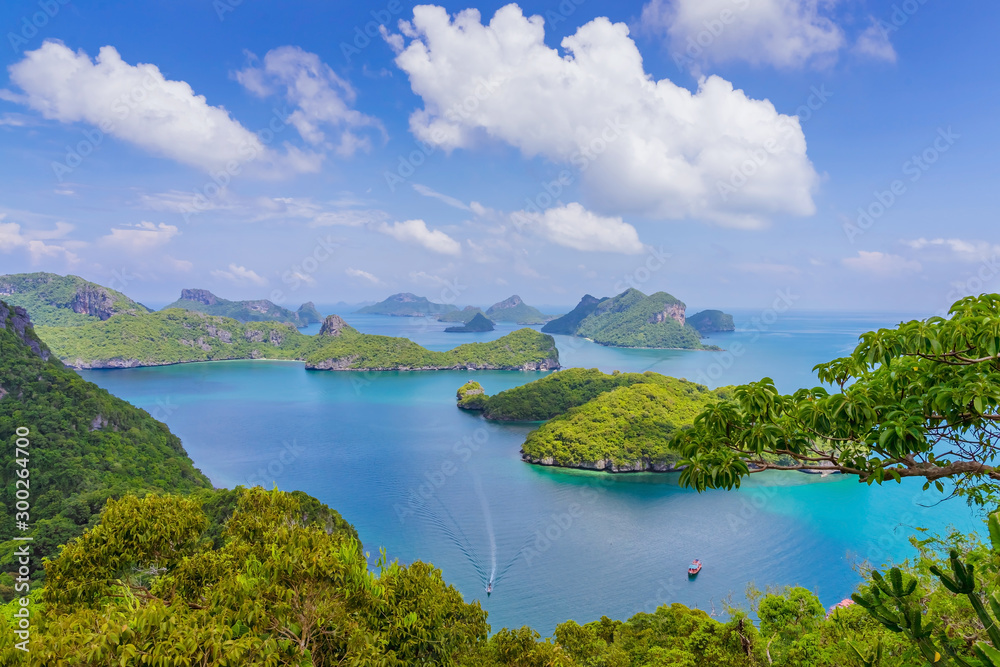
{"x": 477, "y": 324}
{"x": 465, "y": 315}
{"x": 711, "y": 321}
{"x": 64, "y": 301}
{"x": 570, "y": 322}
{"x": 405, "y": 304}
{"x": 262, "y": 310}
{"x": 514, "y": 310}
{"x": 631, "y": 319}
{"x": 308, "y": 314}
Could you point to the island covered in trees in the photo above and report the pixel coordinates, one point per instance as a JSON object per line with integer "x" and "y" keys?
{"x": 617, "y": 422}
{"x": 178, "y": 336}
{"x": 632, "y": 319}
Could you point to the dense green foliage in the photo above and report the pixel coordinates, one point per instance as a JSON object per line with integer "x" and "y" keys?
{"x": 471, "y": 396}
{"x": 152, "y": 584}
{"x": 710, "y": 321}
{"x": 64, "y": 301}
{"x": 633, "y": 319}
{"x": 405, "y": 304}
{"x": 918, "y": 400}
{"x": 524, "y": 349}
{"x": 556, "y": 393}
{"x": 85, "y": 446}
{"x": 462, "y": 316}
{"x": 570, "y": 322}
{"x": 628, "y": 428}
{"x": 477, "y": 324}
{"x": 172, "y": 336}
{"x": 145, "y": 587}
{"x": 514, "y": 310}
{"x": 261, "y": 310}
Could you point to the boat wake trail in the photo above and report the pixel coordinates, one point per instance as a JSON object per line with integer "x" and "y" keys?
{"x": 453, "y": 531}
{"x": 439, "y": 517}
{"x": 488, "y": 520}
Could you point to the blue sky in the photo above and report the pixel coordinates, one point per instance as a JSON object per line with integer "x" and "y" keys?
{"x": 721, "y": 150}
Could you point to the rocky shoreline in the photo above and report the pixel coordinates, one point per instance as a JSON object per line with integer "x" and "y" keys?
{"x": 605, "y": 465}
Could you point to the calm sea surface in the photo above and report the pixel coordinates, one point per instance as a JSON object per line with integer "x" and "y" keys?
{"x": 426, "y": 481}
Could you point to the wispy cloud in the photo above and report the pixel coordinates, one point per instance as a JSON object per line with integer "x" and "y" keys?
{"x": 240, "y": 275}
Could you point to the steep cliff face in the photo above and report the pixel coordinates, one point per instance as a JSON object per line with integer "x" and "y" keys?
{"x": 93, "y": 300}
{"x": 16, "y": 319}
{"x": 332, "y": 326}
{"x": 673, "y": 311}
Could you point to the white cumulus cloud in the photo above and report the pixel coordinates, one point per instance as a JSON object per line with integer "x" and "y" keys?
{"x": 783, "y": 33}
{"x": 642, "y": 146}
{"x": 137, "y": 104}
{"x": 14, "y": 238}
{"x": 416, "y": 232}
{"x": 575, "y": 227}
{"x": 322, "y": 98}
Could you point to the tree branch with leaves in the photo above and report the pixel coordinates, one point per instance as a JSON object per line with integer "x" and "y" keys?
{"x": 918, "y": 400}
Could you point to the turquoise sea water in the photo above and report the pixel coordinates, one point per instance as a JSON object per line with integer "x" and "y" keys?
{"x": 426, "y": 481}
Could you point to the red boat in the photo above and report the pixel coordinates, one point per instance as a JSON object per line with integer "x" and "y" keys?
{"x": 695, "y": 568}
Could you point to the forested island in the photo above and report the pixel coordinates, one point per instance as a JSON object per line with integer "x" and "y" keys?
{"x": 478, "y": 324}
{"x": 617, "y": 422}
{"x": 632, "y": 319}
{"x": 712, "y": 321}
{"x": 406, "y": 304}
{"x": 178, "y": 336}
{"x": 513, "y": 309}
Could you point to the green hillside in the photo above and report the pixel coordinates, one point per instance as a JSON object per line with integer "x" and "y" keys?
{"x": 625, "y": 429}
{"x": 179, "y": 336}
{"x": 556, "y": 393}
{"x": 85, "y": 444}
{"x": 64, "y": 301}
{"x": 514, "y": 310}
{"x": 169, "y": 337}
{"x": 524, "y": 349}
